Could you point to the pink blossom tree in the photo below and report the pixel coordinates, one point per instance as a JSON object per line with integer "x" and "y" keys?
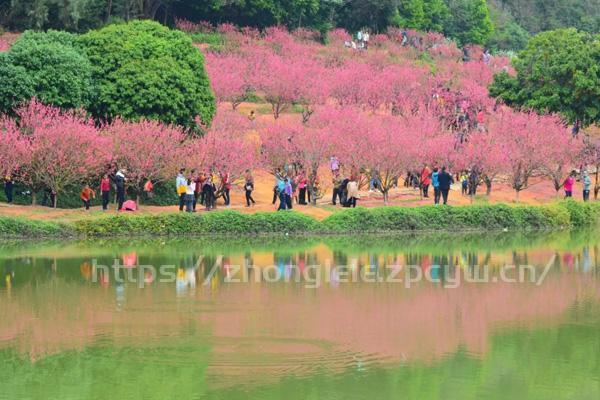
{"x": 562, "y": 152}
{"x": 148, "y": 150}
{"x": 279, "y": 78}
{"x": 65, "y": 149}
{"x": 229, "y": 77}
{"x": 227, "y": 148}
{"x": 278, "y": 144}
{"x": 480, "y": 153}
{"x": 521, "y": 138}
{"x": 14, "y": 148}
{"x": 590, "y": 155}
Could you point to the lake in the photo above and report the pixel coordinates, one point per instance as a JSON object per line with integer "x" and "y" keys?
{"x": 445, "y": 316}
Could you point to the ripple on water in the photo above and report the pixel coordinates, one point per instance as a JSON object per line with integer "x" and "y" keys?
{"x": 262, "y": 359}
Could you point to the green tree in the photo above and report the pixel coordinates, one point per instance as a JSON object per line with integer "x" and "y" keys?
{"x": 436, "y": 15}
{"x": 559, "y": 71}
{"x": 508, "y": 34}
{"x": 470, "y": 21}
{"x": 145, "y": 70}
{"x": 16, "y": 85}
{"x": 56, "y": 67}
{"x": 374, "y": 14}
{"x": 411, "y": 14}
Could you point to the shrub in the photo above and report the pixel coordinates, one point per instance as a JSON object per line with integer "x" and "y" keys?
{"x": 31, "y": 228}
{"x": 50, "y": 66}
{"x": 223, "y": 222}
{"x": 145, "y": 70}
{"x": 568, "y": 214}
{"x": 488, "y": 217}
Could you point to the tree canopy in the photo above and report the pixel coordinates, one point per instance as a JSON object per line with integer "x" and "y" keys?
{"x": 464, "y": 20}
{"x": 48, "y": 65}
{"x": 145, "y": 70}
{"x": 559, "y": 72}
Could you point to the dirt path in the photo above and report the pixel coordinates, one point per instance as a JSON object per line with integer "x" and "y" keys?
{"x": 539, "y": 193}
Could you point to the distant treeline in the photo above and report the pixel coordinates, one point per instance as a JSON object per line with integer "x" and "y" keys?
{"x": 501, "y": 24}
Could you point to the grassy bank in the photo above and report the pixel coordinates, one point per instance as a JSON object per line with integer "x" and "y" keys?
{"x": 562, "y": 215}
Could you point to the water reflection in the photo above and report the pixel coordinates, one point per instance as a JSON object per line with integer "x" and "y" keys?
{"x": 234, "y": 333}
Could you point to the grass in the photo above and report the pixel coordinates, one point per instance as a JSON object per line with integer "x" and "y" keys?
{"x": 478, "y": 217}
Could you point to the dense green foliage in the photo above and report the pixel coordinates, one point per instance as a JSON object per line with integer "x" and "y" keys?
{"x": 16, "y": 84}
{"x": 223, "y": 222}
{"x": 145, "y": 70}
{"x": 433, "y": 218}
{"x": 136, "y": 70}
{"x": 538, "y": 16}
{"x": 465, "y": 20}
{"x": 20, "y": 227}
{"x": 568, "y": 214}
{"x": 469, "y": 22}
{"x": 559, "y": 71}
{"x": 49, "y": 65}
{"x": 508, "y": 34}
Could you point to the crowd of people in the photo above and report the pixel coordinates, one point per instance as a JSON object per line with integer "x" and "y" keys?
{"x": 360, "y": 41}
{"x": 292, "y": 186}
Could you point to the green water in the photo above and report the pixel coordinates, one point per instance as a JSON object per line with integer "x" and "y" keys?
{"x": 248, "y": 318}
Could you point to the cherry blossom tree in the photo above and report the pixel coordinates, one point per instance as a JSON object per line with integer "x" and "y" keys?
{"x": 590, "y": 155}
{"x": 562, "y": 152}
{"x": 148, "y": 150}
{"x": 521, "y": 138}
{"x": 278, "y": 145}
{"x": 228, "y": 147}
{"x": 65, "y": 149}
{"x": 279, "y": 78}
{"x": 14, "y": 148}
{"x": 229, "y": 77}
{"x": 480, "y": 153}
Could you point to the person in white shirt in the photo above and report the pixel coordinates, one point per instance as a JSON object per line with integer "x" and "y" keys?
{"x": 190, "y": 189}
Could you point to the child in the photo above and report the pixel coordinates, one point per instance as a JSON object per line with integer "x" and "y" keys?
{"x": 148, "y": 189}
{"x": 464, "y": 181}
{"x": 87, "y": 194}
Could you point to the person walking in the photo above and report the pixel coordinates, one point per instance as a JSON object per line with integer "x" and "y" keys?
{"x": 226, "y": 184}
{"x": 280, "y": 188}
{"x": 587, "y": 184}
{"x": 86, "y": 195}
{"x": 568, "y": 185}
{"x": 302, "y": 183}
{"x": 278, "y": 179}
{"x": 334, "y": 164}
{"x": 337, "y": 187}
{"x": 8, "y": 188}
{"x": 180, "y": 186}
{"x": 425, "y": 181}
{"x": 464, "y": 183}
{"x": 249, "y": 187}
{"x": 105, "y": 191}
{"x": 149, "y": 189}
{"x": 199, "y": 186}
{"x": 190, "y": 190}
{"x": 289, "y": 192}
{"x": 120, "y": 185}
{"x": 445, "y": 180}
{"x": 197, "y": 189}
{"x": 436, "y": 186}
{"x": 473, "y": 181}
{"x": 208, "y": 191}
